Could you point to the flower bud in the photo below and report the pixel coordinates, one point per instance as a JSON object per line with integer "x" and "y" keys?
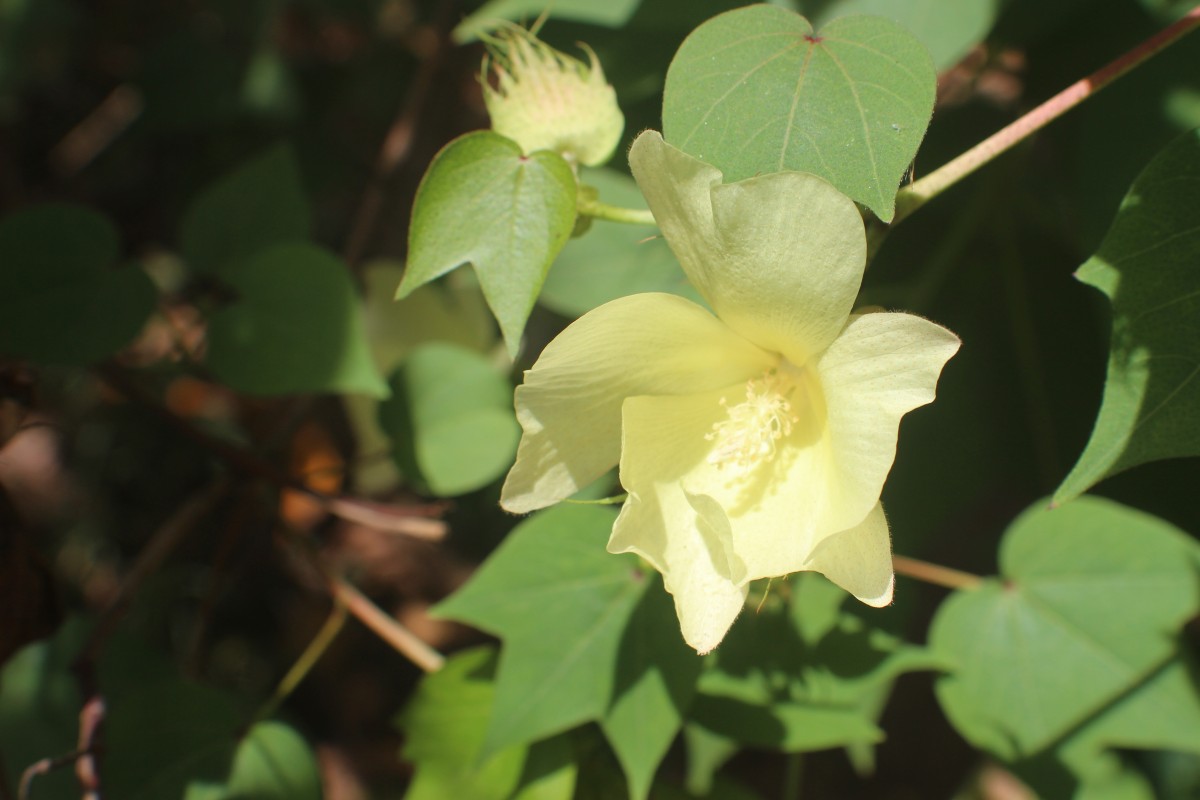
{"x": 547, "y": 100}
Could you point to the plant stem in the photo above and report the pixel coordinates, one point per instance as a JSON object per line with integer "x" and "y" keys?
{"x": 910, "y": 199}
{"x": 935, "y": 573}
{"x": 793, "y": 773}
{"x": 386, "y": 627}
{"x": 630, "y": 216}
{"x": 307, "y": 660}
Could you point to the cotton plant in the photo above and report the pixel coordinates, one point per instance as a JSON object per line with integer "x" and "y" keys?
{"x": 753, "y": 440}
{"x": 544, "y": 99}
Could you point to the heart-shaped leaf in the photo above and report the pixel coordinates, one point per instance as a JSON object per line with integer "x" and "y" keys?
{"x": 296, "y": 326}
{"x": 485, "y": 203}
{"x": 61, "y": 302}
{"x": 259, "y": 204}
{"x": 550, "y": 582}
{"x": 1091, "y": 599}
{"x": 757, "y": 90}
{"x": 451, "y": 417}
{"x": 1149, "y": 266}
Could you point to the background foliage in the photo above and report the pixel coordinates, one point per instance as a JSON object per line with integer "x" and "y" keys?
{"x": 214, "y": 418}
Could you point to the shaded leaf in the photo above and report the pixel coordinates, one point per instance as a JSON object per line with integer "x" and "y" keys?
{"x": 450, "y": 419}
{"x": 39, "y": 710}
{"x": 1091, "y": 596}
{"x": 805, "y": 677}
{"x": 507, "y": 214}
{"x": 1149, "y": 266}
{"x": 296, "y": 326}
{"x": 849, "y": 103}
{"x": 61, "y": 301}
{"x": 612, "y": 259}
{"x": 260, "y": 204}
{"x": 561, "y": 603}
{"x": 656, "y": 681}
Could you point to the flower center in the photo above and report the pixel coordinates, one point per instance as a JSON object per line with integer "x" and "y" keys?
{"x": 753, "y": 427}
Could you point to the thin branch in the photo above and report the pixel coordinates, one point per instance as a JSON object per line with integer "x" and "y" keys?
{"x": 385, "y": 626}
{"x": 910, "y": 199}
{"x": 598, "y": 210}
{"x": 97, "y": 131}
{"x": 162, "y": 543}
{"x": 397, "y": 142}
{"x": 935, "y": 573}
{"x": 307, "y": 660}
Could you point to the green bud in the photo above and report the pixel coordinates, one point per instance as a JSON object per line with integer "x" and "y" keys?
{"x": 547, "y": 100}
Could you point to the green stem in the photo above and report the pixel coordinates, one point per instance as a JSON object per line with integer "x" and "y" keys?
{"x": 630, "y": 216}
{"x": 936, "y": 182}
{"x": 793, "y": 773}
{"x": 307, "y": 660}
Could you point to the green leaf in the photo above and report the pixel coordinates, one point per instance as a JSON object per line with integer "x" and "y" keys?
{"x": 805, "y": 677}
{"x": 450, "y": 418}
{"x": 260, "y": 204}
{"x": 1161, "y": 713}
{"x": 39, "y": 711}
{"x": 707, "y": 752}
{"x": 1149, "y": 266}
{"x": 849, "y": 103}
{"x": 561, "y": 603}
{"x": 60, "y": 300}
{"x": 507, "y": 214}
{"x": 1090, "y": 599}
{"x": 949, "y": 28}
{"x": 296, "y": 326}
{"x": 272, "y": 762}
{"x": 445, "y": 724}
{"x": 656, "y": 681}
{"x": 178, "y": 739}
{"x": 611, "y": 14}
{"x": 612, "y": 259}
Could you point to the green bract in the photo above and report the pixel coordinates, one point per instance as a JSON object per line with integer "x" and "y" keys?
{"x": 546, "y": 100}
{"x": 754, "y": 443}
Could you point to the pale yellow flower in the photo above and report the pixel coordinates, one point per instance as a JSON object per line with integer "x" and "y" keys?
{"x": 546, "y": 100}
{"x": 754, "y": 443}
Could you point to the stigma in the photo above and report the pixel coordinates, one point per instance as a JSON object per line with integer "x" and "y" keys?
{"x": 752, "y": 429}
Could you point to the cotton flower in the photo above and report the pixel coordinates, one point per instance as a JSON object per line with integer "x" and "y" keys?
{"x": 753, "y": 443}
{"x": 546, "y": 100}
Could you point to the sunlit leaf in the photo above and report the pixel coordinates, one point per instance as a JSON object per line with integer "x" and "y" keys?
{"x": 484, "y": 203}
{"x": 451, "y": 418}
{"x": 61, "y": 300}
{"x": 445, "y": 725}
{"x": 757, "y": 90}
{"x": 1149, "y": 266}
{"x": 949, "y": 28}
{"x": 295, "y": 326}
{"x": 1089, "y": 602}
{"x": 561, "y": 604}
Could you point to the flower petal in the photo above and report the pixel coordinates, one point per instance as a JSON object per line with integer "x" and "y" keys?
{"x": 570, "y": 403}
{"x": 881, "y": 367}
{"x": 859, "y": 560}
{"x": 826, "y": 476}
{"x": 686, "y": 537}
{"x": 779, "y": 257}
